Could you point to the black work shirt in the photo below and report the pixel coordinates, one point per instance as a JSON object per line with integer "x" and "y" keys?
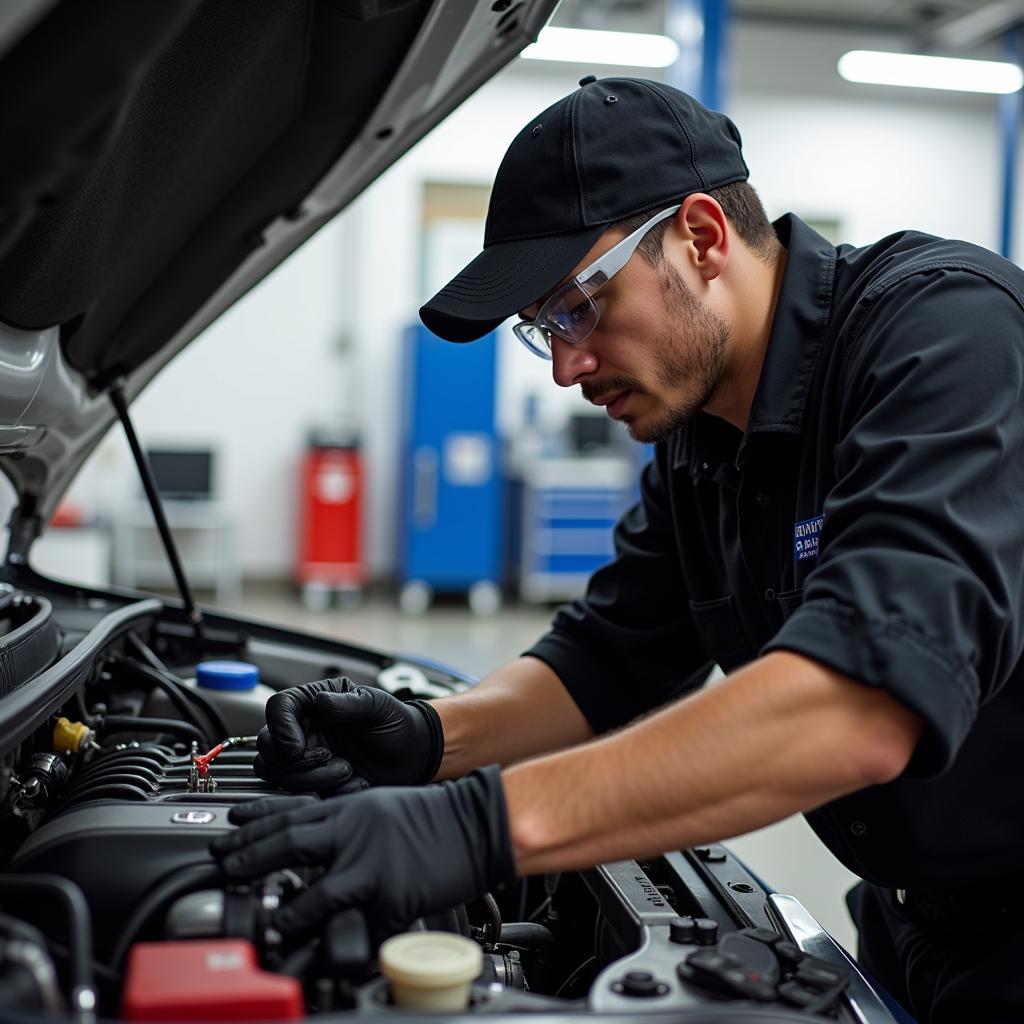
{"x": 871, "y": 517}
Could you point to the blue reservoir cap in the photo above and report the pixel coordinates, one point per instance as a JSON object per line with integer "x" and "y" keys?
{"x": 227, "y": 675}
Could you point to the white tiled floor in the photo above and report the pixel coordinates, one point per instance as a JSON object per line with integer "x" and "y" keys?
{"x": 787, "y": 855}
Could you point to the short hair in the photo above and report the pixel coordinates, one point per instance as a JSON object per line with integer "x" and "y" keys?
{"x": 739, "y": 202}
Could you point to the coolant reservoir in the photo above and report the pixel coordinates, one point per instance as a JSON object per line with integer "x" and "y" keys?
{"x": 235, "y": 689}
{"x": 430, "y": 970}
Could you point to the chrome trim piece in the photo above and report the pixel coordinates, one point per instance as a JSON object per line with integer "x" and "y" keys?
{"x": 864, "y": 1002}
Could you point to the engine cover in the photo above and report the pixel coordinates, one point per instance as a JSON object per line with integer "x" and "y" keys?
{"x": 116, "y": 852}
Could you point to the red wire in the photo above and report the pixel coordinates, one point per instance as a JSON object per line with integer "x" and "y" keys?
{"x": 202, "y": 761}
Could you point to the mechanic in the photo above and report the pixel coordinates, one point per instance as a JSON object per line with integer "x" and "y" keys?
{"x": 833, "y": 514}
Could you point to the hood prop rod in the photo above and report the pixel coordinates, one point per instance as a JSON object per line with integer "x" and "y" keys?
{"x": 195, "y": 615}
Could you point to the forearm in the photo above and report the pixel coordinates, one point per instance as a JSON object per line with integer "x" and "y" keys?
{"x": 519, "y": 711}
{"x": 782, "y": 735}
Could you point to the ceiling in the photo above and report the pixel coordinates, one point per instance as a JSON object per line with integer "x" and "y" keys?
{"x": 863, "y": 13}
{"x": 948, "y": 25}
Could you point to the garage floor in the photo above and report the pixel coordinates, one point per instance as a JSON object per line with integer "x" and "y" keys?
{"x": 787, "y": 856}
{"x": 448, "y": 633}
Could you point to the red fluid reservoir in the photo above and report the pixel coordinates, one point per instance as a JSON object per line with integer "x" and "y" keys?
{"x": 206, "y": 980}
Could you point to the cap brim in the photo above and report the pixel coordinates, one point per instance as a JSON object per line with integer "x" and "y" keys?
{"x": 505, "y": 278}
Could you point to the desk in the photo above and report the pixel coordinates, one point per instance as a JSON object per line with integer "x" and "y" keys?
{"x": 205, "y": 537}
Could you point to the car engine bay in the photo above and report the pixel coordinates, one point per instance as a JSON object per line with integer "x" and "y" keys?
{"x": 116, "y": 772}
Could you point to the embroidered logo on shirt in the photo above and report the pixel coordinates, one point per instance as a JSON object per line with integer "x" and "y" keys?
{"x": 805, "y": 538}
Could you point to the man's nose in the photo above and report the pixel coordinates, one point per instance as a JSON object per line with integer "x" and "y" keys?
{"x": 570, "y": 364}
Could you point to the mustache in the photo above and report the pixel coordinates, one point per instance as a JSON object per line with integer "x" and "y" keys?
{"x": 594, "y": 391}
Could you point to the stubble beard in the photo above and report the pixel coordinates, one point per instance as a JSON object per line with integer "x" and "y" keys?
{"x": 691, "y": 358}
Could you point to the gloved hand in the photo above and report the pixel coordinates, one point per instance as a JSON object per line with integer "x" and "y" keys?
{"x": 397, "y": 854}
{"x": 331, "y": 735}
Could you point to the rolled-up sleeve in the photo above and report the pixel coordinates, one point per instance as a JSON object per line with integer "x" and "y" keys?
{"x": 919, "y": 583}
{"x": 629, "y": 644}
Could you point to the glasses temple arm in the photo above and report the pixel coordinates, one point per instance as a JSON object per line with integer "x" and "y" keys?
{"x": 618, "y": 255}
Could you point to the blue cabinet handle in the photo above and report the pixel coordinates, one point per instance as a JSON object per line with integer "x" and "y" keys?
{"x": 424, "y": 488}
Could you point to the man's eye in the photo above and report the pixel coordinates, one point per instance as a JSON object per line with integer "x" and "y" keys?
{"x": 580, "y": 313}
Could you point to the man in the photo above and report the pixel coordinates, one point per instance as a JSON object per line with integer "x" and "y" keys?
{"x": 833, "y": 514}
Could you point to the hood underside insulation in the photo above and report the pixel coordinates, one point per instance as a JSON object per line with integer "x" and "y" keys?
{"x": 155, "y": 143}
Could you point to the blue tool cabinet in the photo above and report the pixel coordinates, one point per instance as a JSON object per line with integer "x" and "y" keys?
{"x": 570, "y": 507}
{"x": 451, "y": 494}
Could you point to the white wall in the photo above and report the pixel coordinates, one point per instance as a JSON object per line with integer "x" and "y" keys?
{"x": 881, "y": 159}
{"x": 263, "y": 374}
{"x": 878, "y": 159}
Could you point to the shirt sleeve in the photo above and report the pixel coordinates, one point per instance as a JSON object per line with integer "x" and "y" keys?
{"x": 918, "y": 588}
{"x": 629, "y": 644}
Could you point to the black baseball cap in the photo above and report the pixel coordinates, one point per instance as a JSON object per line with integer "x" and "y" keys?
{"x": 613, "y": 148}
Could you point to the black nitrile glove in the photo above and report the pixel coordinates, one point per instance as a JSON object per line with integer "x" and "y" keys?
{"x": 331, "y": 735}
{"x": 397, "y": 854}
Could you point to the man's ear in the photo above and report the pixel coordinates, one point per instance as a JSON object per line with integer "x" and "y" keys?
{"x": 702, "y": 223}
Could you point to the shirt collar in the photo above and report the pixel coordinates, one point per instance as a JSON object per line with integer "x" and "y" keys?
{"x": 798, "y": 328}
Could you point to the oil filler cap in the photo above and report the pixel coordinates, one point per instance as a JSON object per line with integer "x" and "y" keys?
{"x": 227, "y": 675}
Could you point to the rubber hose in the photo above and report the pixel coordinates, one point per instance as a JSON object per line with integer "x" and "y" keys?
{"x": 527, "y": 934}
{"x": 185, "y": 730}
{"x": 209, "y": 709}
{"x": 79, "y": 918}
{"x": 494, "y": 923}
{"x": 23, "y": 931}
{"x": 164, "y": 675}
{"x": 183, "y": 881}
{"x": 194, "y": 695}
{"x": 154, "y": 680}
{"x": 19, "y": 989}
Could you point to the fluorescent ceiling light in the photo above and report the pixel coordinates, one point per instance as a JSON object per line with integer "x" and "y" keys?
{"x": 589, "y": 46}
{"x": 922, "y": 72}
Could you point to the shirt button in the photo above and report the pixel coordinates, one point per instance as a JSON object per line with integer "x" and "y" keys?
{"x": 762, "y": 500}
{"x": 769, "y": 594}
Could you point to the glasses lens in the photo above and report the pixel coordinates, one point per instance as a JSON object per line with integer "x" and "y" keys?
{"x": 573, "y": 316}
{"x": 535, "y": 338}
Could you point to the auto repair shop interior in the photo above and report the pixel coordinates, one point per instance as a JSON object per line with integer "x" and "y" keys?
{"x": 327, "y": 465}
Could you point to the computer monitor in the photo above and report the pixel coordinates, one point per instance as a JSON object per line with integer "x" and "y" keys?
{"x": 182, "y": 474}
{"x": 590, "y": 433}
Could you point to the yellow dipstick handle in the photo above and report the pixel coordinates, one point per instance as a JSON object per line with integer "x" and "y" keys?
{"x": 71, "y": 737}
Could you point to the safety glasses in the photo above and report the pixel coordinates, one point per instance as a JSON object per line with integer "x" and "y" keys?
{"x": 570, "y": 312}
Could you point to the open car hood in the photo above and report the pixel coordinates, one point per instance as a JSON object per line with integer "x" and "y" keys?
{"x": 161, "y": 159}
